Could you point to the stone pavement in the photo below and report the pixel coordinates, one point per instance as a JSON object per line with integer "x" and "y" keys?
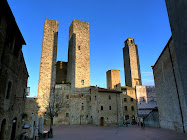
{"x": 90, "y": 132}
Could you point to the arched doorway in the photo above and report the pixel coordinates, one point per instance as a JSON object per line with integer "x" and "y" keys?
{"x": 102, "y": 121}
{"x": 2, "y": 132}
{"x": 13, "y": 134}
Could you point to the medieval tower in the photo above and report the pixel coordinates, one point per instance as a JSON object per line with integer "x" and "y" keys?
{"x": 78, "y": 71}
{"x": 113, "y": 79}
{"x": 78, "y": 68}
{"x": 47, "y": 76}
{"x": 131, "y": 64}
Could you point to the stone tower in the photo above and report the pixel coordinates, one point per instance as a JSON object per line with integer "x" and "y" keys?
{"x": 47, "y": 77}
{"x": 113, "y": 79}
{"x": 78, "y": 71}
{"x": 78, "y": 68}
{"x": 131, "y": 64}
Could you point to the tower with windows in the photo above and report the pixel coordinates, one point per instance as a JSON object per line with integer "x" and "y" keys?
{"x": 131, "y": 64}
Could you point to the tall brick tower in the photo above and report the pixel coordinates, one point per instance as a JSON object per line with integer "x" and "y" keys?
{"x": 47, "y": 77}
{"x": 113, "y": 79}
{"x": 78, "y": 68}
{"x": 131, "y": 64}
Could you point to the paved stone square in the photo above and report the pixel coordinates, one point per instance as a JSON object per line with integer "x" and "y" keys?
{"x": 90, "y": 132}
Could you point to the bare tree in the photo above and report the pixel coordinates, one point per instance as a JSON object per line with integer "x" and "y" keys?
{"x": 52, "y": 104}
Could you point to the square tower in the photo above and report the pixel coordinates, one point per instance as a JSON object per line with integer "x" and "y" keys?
{"x": 131, "y": 64}
{"x": 78, "y": 68}
{"x": 113, "y": 79}
{"x": 47, "y": 77}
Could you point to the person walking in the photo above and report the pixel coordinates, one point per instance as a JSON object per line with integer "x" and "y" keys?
{"x": 141, "y": 123}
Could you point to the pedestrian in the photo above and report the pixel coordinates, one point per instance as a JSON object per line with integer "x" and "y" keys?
{"x": 138, "y": 123}
{"x": 141, "y": 122}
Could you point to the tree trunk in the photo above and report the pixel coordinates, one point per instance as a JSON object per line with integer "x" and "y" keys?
{"x": 51, "y": 128}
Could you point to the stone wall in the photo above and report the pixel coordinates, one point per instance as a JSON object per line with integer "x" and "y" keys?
{"x": 62, "y": 93}
{"x": 128, "y": 98}
{"x": 152, "y": 120}
{"x": 176, "y": 13}
{"x": 166, "y": 83}
{"x": 47, "y": 76}
{"x": 31, "y": 107}
{"x": 107, "y": 104}
{"x": 61, "y": 72}
{"x": 113, "y": 79}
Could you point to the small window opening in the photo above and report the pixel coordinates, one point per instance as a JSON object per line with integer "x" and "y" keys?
{"x": 8, "y": 90}
{"x": 79, "y": 47}
{"x": 101, "y": 107}
{"x": 132, "y": 108}
{"x": 67, "y": 114}
{"x": 125, "y": 108}
{"x": 82, "y": 82}
{"x": 110, "y": 108}
{"x": 67, "y": 96}
{"x": 131, "y": 99}
{"x": 67, "y": 105}
{"x": 109, "y": 97}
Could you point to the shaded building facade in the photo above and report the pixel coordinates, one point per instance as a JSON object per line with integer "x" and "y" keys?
{"x": 13, "y": 74}
{"x": 172, "y": 109}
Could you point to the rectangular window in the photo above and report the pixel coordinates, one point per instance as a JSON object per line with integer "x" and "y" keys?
{"x": 101, "y": 107}
{"x": 125, "y": 108}
{"x": 8, "y": 90}
{"x": 67, "y": 114}
{"x": 82, "y": 82}
{"x": 95, "y": 97}
{"x": 67, "y": 105}
{"x": 131, "y": 99}
{"x": 125, "y": 99}
{"x": 109, "y": 97}
{"x": 110, "y": 108}
{"x": 132, "y": 108}
{"x": 124, "y": 92}
{"x": 67, "y": 96}
{"x": 79, "y": 47}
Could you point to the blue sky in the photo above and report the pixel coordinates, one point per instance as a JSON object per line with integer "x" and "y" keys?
{"x": 111, "y": 23}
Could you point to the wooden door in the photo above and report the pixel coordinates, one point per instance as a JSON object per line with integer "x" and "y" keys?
{"x": 102, "y": 121}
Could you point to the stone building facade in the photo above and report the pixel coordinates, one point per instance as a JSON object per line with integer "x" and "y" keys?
{"x": 176, "y": 13}
{"x": 31, "y": 107}
{"x": 63, "y": 92}
{"x": 129, "y": 104}
{"x": 105, "y": 107}
{"x": 13, "y": 74}
{"x": 113, "y": 79}
{"x": 102, "y": 108}
{"x": 171, "y": 105}
{"x": 131, "y": 64}
{"x": 146, "y": 100}
{"x": 47, "y": 76}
